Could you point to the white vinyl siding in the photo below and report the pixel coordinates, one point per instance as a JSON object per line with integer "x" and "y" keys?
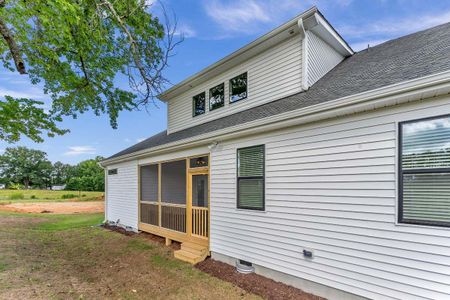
{"x": 122, "y": 194}
{"x": 272, "y": 75}
{"x": 332, "y": 188}
{"x": 321, "y": 58}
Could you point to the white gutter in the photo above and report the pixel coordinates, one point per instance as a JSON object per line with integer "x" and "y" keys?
{"x": 386, "y": 96}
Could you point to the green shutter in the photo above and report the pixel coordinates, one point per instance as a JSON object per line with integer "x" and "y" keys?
{"x": 251, "y": 178}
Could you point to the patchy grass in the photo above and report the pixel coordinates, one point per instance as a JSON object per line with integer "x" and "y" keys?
{"x": 65, "y": 257}
{"x": 64, "y": 222}
{"x": 24, "y": 196}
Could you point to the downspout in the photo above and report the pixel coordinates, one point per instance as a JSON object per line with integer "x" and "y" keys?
{"x": 304, "y": 62}
{"x": 106, "y": 190}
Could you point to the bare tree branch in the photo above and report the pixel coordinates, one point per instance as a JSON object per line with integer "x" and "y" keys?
{"x": 13, "y": 47}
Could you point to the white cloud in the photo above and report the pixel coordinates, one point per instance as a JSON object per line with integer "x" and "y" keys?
{"x": 127, "y": 140}
{"x": 140, "y": 140}
{"x": 80, "y": 150}
{"x": 32, "y": 93}
{"x": 186, "y": 31}
{"x": 255, "y": 16}
{"x": 394, "y": 27}
{"x": 237, "y": 16}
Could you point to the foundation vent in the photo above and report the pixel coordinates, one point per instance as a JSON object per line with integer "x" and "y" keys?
{"x": 244, "y": 267}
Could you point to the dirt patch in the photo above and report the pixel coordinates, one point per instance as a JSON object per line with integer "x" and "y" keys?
{"x": 148, "y": 236}
{"x": 253, "y": 283}
{"x": 55, "y": 207}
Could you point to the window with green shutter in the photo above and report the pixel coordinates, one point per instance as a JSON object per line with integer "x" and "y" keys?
{"x": 424, "y": 171}
{"x": 250, "y": 178}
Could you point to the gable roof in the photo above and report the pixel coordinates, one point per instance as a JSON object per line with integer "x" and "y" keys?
{"x": 410, "y": 57}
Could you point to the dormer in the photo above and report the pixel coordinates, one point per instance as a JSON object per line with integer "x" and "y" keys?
{"x": 283, "y": 62}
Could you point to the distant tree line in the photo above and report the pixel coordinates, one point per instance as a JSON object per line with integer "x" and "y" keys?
{"x": 29, "y": 168}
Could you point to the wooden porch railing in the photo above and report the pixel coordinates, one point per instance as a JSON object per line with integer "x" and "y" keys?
{"x": 173, "y": 217}
{"x": 200, "y": 221}
{"x": 149, "y": 213}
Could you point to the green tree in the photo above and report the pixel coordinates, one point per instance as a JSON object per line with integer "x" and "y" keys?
{"x": 25, "y": 166}
{"x": 61, "y": 173}
{"x": 89, "y": 176}
{"x": 77, "y": 50}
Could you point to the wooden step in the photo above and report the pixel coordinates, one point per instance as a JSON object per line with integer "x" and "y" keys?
{"x": 189, "y": 257}
{"x": 194, "y": 248}
{"x": 191, "y": 252}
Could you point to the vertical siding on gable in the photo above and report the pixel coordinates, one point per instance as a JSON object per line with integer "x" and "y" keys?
{"x": 321, "y": 58}
{"x": 122, "y": 194}
{"x": 272, "y": 75}
{"x": 331, "y": 187}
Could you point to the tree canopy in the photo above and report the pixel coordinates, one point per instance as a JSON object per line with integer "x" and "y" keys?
{"x": 25, "y": 166}
{"x": 77, "y": 50}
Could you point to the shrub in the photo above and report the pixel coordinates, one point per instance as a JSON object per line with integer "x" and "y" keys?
{"x": 15, "y": 186}
{"x": 68, "y": 196}
{"x": 33, "y": 197}
{"x": 16, "y": 196}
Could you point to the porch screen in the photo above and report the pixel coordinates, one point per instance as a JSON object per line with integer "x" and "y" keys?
{"x": 149, "y": 183}
{"x": 173, "y": 182}
{"x": 425, "y": 172}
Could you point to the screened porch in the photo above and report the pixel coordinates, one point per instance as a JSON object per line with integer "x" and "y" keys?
{"x": 174, "y": 199}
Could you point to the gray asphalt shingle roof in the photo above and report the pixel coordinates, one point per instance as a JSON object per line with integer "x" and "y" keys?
{"x": 413, "y": 56}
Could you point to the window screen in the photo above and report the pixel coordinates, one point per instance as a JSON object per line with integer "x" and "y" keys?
{"x": 217, "y": 97}
{"x": 424, "y": 172}
{"x": 149, "y": 183}
{"x": 250, "y": 178}
{"x": 198, "y": 103}
{"x": 238, "y": 88}
{"x": 173, "y": 182}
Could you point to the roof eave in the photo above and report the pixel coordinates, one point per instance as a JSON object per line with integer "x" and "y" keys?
{"x": 385, "y": 96}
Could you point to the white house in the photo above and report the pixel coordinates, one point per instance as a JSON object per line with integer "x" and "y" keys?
{"x": 325, "y": 169}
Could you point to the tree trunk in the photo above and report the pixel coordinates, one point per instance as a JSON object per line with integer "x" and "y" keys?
{"x": 26, "y": 183}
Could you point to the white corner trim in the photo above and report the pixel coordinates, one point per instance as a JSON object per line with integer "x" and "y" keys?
{"x": 386, "y": 96}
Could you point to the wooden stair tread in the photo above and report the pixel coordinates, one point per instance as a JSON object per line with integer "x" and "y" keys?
{"x": 191, "y": 253}
{"x": 193, "y": 246}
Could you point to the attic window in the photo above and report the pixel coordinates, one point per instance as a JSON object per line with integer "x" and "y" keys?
{"x": 238, "y": 88}
{"x": 217, "y": 96}
{"x": 112, "y": 172}
{"x": 198, "y": 103}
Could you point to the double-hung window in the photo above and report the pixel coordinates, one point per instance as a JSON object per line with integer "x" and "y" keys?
{"x": 250, "y": 178}
{"x": 424, "y": 171}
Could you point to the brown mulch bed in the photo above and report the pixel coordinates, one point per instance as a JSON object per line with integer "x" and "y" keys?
{"x": 253, "y": 283}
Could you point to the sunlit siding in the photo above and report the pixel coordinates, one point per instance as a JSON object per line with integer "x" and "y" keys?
{"x": 321, "y": 58}
{"x": 331, "y": 187}
{"x": 122, "y": 194}
{"x": 273, "y": 74}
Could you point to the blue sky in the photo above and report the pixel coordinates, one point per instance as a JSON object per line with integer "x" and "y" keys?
{"x": 213, "y": 29}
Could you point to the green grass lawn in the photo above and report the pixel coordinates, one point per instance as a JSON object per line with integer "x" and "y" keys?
{"x": 67, "y": 257}
{"x": 23, "y": 196}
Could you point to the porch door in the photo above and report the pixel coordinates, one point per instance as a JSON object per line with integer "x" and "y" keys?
{"x": 199, "y": 203}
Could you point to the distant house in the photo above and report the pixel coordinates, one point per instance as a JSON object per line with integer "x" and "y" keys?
{"x": 321, "y": 167}
{"x": 2, "y": 186}
{"x": 58, "y": 187}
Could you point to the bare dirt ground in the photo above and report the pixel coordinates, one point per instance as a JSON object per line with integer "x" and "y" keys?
{"x": 54, "y": 257}
{"x": 55, "y": 207}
